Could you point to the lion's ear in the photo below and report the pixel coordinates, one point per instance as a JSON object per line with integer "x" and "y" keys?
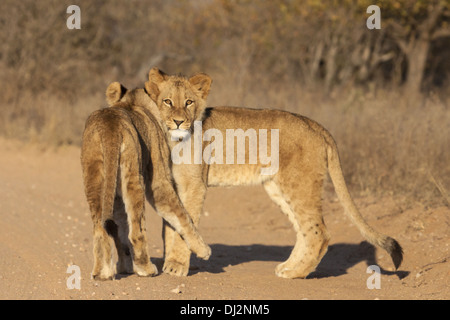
{"x": 155, "y": 78}
{"x": 114, "y": 93}
{"x": 152, "y": 90}
{"x": 202, "y": 83}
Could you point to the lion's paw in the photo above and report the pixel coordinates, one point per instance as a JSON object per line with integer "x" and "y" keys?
{"x": 148, "y": 270}
{"x": 283, "y": 271}
{"x": 175, "y": 268}
{"x": 204, "y": 253}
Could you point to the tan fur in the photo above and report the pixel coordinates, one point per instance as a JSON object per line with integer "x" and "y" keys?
{"x": 306, "y": 152}
{"x": 124, "y": 161}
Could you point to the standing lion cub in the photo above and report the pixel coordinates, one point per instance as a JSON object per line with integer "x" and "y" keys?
{"x": 124, "y": 159}
{"x": 304, "y": 151}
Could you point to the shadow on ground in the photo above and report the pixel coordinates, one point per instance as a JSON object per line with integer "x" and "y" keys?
{"x": 338, "y": 259}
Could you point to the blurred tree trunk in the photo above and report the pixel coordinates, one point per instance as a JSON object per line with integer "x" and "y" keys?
{"x": 415, "y": 42}
{"x": 315, "y": 62}
{"x": 417, "y": 58}
{"x": 330, "y": 62}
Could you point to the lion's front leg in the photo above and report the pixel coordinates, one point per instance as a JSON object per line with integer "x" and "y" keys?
{"x": 176, "y": 253}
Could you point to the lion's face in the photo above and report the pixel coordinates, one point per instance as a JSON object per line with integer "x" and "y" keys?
{"x": 181, "y": 101}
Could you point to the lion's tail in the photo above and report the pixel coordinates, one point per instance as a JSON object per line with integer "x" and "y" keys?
{"x": 334, "y": 168}
{"x": 111, "y": 151}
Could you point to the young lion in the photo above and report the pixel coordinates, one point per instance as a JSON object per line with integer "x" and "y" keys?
{"x": 305, "y": 151}
{"x": 124, "y": 155}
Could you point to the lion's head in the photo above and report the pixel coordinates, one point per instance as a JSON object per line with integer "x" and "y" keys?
{"x": 118, "y": 95}
{"x": 180, "y": 100}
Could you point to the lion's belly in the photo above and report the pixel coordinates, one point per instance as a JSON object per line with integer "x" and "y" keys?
{"x": 235, "y": 175}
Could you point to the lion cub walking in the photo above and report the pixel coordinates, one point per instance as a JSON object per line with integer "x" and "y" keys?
{"x": 124, "y": 159}
{"x": 306, "y": 152}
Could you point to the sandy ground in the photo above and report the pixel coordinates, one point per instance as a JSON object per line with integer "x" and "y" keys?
{"x": 45, "y": 227}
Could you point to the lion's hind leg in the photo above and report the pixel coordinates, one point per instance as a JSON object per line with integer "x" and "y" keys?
{"x": 312, "y": 236}
{"x": 103, "y": 266}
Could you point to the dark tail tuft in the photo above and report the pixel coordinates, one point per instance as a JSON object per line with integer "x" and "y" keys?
{"x": 395, "y": 250}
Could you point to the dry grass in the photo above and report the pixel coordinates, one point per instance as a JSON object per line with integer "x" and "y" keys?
{"x": 47, "y": 120}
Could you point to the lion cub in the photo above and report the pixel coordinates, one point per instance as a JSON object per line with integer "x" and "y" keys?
{"x": 124, "y": 159}
{"x": 302, "y": 150}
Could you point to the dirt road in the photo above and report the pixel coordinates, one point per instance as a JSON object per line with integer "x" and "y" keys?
{"x": 45, "y": 227}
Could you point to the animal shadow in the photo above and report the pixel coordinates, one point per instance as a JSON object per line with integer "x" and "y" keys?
{"x": 338, "y": 259}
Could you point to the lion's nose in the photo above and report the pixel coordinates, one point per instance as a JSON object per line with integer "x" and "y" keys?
{"x": 178, "y": 122}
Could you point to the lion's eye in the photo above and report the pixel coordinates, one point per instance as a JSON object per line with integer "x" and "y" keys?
{"x": 189, "y": 102}
{"x": 168, "y": 102}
